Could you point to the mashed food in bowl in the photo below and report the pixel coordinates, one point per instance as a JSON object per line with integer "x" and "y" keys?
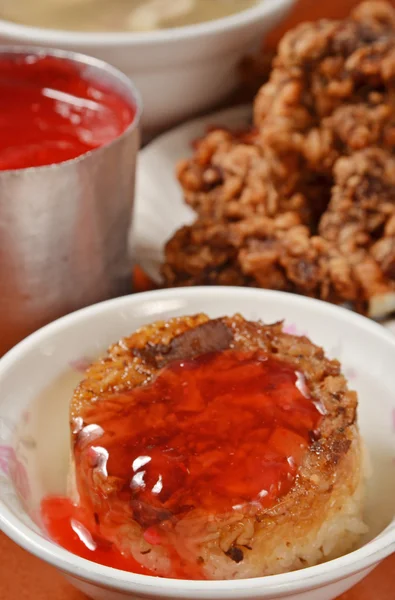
{"x": 214, "y": 449}
{"x": 118, "y": 15}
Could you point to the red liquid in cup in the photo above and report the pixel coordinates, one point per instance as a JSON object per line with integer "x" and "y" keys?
{"x": 50, "y": 113}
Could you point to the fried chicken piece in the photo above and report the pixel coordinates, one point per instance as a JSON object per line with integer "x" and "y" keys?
{"x": 360, "y": 221}
{"x": 350, "y": 128}
{"x": 275, "y": 253}
{"x": 201, "y": 254}
{"x": 230, "y": 177}
{"x": 362, "y": 207}
{"x": 331, "y": 89}
{"x": 207, "y": 252}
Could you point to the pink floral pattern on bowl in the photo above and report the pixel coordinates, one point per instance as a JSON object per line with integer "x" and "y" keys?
{"x": 13, "y": 469}
{"x": 293, "y": 329}
{"x": 7, "y": 453}
{"x": 81, "y": 364}
{"x": 20, "y": 479}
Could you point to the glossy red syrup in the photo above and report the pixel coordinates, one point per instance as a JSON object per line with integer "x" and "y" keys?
{"x": 50, "y": 113}
{"x": 63, "y": 520}
{"x": 221, "y": 432}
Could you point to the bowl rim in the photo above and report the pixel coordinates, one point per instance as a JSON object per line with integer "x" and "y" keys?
{"x": 359, "y": 560}
{"x": 262, "y": 9}
{"x": 85, "y": 61}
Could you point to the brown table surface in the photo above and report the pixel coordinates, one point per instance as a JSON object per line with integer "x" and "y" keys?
{"x": 23, "y": 576}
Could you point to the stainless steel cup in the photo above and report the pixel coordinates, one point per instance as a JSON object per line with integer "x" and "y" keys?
{"x": 64, "y": 228}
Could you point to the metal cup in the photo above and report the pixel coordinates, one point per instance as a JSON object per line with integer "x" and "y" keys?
{"x": 64, "y": 227}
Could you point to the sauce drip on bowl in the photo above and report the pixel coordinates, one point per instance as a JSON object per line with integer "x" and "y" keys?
{"x": 219, "y": 433}
{"x": 67, "y": 525}
{"x": 49, "y": 112}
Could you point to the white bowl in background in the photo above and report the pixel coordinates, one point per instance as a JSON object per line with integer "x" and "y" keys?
{"x": 367, "y": 353}
{"x": 179, "y": 71}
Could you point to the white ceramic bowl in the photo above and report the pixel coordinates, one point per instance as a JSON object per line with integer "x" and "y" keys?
{"x": 367, "y": 353}
{"x": 179, "y": 71}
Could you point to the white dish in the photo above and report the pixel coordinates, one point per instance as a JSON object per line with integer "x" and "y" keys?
{"x": 159, "y": 206}
{"x": 366, "y": 350}
{"x": 179, "y": 72}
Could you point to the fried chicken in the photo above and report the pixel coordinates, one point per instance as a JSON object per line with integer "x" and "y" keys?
{"x": 232, "y": 178}
{"x": 307, "y": 202}
{"x": 360, "y": 223}
{"x": 277, "y": 253}
{"x": 325, "y": 67}
{"x": 344, "y": 263}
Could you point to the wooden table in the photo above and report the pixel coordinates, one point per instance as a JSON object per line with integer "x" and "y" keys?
{"x": 24, "y": 577}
